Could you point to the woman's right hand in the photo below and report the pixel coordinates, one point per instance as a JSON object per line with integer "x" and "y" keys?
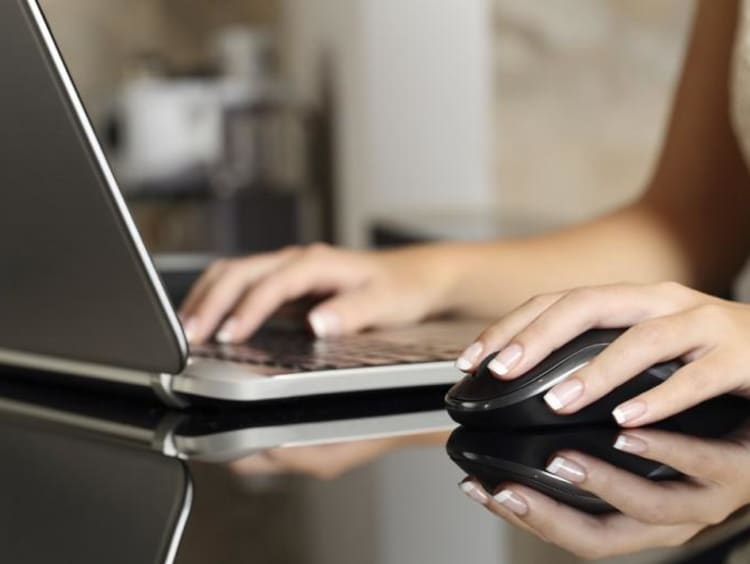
{"x": 366, "y": 289}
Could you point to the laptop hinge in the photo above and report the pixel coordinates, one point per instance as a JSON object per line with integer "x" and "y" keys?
{"x": 161, "y": 384}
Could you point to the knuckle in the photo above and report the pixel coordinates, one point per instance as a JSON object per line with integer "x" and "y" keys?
{"x": 540, "y": 301}
{"x": 585, "y": 294}
{"x": 657, "y": 513}
{"x": 653, "y": 331}
{"x": 671, "y": 288}
{"x": 712, "y": 313}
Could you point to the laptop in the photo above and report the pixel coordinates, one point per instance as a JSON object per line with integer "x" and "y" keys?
{"x": 79, "y": 294}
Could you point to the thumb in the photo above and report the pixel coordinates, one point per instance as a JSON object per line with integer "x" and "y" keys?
{"x": 347, "y": 313}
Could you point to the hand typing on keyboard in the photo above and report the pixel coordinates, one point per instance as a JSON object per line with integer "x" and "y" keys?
{"x": 234, "y": 297}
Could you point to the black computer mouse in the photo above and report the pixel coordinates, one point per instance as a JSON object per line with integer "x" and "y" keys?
{"x": 482, "y": 400}
{"x": 521, "y": 456}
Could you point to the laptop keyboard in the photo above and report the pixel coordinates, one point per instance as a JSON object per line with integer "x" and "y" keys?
{"x": 301, "y": 352}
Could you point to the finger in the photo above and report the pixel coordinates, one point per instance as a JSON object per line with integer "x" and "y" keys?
{"x": 585, "y": 535}
{"x": 474, "y": 491}
{"x": 497, "y": 336}
{"x": 208, "y": 303}
{"x": 350, "y": 312}
{"x": 657, "y": 503}
{"x": 201, "y": 285}
{"x": 577, "y": 311}
{"x": 702, "y": 459}
{"x": 689, "y": 386}
{"x": 315, "y": 273}
{"x": 217, "y": 301}
{"x": 639, "y": 348}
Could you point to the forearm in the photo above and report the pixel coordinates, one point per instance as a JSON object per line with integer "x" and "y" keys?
{"x": 634, "y": 244}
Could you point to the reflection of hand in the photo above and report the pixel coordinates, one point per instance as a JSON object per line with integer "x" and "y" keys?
{"x": 668, "y": 321}
{"x": 369, "y": 290}
{"x": 652, "y": 514}
{"x": 328, "y": 461}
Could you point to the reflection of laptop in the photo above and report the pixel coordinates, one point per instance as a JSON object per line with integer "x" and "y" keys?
{"x": 69, "y": 498}
{"x": 220, "y": 435}
{"x": 78, "y": 291}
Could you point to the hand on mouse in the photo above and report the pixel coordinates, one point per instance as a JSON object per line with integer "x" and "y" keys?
{"x": 666, "y": 321}
{"x": 651, "y": 514}
{"x": 368, "y": 289}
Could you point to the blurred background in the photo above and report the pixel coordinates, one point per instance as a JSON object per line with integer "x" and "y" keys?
{"x": 241, "y": 125}
{"x": 237, "y": 126}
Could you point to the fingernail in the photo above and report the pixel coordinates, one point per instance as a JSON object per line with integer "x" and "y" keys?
{"x": 506, "y": 359}
{"x": 567, "y": 470}
{"x": 564, "y": 394}
{"x": 472, "y": 491}
{"x": 226, "y": 333}
{"x": 190, "y": 328}
{"x": 512, "y": 501}
{"x": 627, "y": 412}
{"x": 469, "y": 357}
{"x": 629, "y": 443}
{"x": 324, "y": 323}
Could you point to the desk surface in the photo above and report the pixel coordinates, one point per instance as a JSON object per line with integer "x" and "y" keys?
{"x": 376, "y": 489}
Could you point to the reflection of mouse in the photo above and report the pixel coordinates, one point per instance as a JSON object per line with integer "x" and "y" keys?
{"x": 521, "y": 456}
{"x": 482, "y": 400}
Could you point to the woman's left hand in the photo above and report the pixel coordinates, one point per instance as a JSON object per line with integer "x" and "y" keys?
{"x": 666, "y": 321}
{"x": 652, "y": 514}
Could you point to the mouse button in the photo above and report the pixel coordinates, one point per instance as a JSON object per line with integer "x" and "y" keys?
{"x": 478, "y": 388}
{"x": 568, "y": 365}
{"x": 483, "y": 386}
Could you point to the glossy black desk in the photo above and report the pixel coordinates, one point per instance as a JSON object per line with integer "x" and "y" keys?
{"x": 91, "y": 478}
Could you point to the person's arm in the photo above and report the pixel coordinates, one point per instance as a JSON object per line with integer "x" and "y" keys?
{"x": 690, "y": 226}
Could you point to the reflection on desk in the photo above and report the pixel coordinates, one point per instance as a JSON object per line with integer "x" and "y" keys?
{"x": 91, "y": 478}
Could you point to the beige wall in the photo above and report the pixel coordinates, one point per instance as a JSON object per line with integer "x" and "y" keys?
{"x": 583, "y": 90}
{"x": 581, "y": 96}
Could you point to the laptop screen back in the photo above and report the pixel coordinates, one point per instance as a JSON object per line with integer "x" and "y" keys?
{"x": 75, "y": 282}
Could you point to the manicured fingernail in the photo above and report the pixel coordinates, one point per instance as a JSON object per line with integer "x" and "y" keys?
{"x": 469, "y": 357}
{"x": 512, "y": 501}
{"x": 474, "y": 492}
{"x": 564, "y": 394}
{"x": 567, "y": 470}
{"x": 506, "y": 359}
{"x": 627, "y": 412}
{"x": 629, "y": 443}
{"x": 226, "y": 333}
{"x": 324, "y": 323}
{"x": 190, "y": 327}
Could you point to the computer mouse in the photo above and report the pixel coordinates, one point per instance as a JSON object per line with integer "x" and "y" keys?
{"x": 521, "y": 456}
{"x": 484, "y": 401}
